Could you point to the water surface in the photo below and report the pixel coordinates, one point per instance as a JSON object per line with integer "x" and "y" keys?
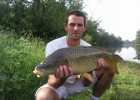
{"x": 128, "y": 53}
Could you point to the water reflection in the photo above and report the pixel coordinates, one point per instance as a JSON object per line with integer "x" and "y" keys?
{"x": 137, "y": 57}
{"x": 127, "y": 52}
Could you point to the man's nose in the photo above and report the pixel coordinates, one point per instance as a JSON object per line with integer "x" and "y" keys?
{"x": 76, "y": 27}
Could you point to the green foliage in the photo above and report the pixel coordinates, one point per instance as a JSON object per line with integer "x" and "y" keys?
{"x": 45, "y": 19}
{"x": 138, "y": 37}
{"x": 92, "y": 35}
{"x": 88, "y": 38}
{"x": 18, "y": 57}
{"x": 137, "y": 50}
{"x": 74, "y": 4}
{"x": 109, "y": 40}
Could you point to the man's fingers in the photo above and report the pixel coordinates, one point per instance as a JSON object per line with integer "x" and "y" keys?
{"x": 70, "y": 71}
{"x": 57, "y": 73}
{"x": 66, "y": 71}
{"x": 61, "y": 71}
{"x": 103, "y": 63}
{"x": 99, "y": 64}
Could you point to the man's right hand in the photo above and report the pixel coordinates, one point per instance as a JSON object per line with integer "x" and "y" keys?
{"x": 61, "y": 74}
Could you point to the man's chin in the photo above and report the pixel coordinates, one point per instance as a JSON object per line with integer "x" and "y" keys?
{"x": 76, "y": 38}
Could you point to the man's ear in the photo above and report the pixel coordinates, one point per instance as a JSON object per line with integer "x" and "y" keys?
{"x": 65, "y": 26}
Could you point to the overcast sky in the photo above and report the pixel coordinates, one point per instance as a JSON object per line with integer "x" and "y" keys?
{"x": 118, "y": 17}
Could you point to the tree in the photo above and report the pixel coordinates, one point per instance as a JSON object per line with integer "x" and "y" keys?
{"x": 138, "y": 37}
{"x": 45, "y": 19}
{"x": 92, "y": 35}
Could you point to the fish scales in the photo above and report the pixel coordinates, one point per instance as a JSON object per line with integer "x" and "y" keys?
{"x": 77, "y": 58}
{"x": 82, "y": 64}
{"x": 81, "y": 59}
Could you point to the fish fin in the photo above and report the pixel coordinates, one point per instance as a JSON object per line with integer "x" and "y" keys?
{"x": 78, "y": 76}
{"x": 100, "y": 48}
{"x": 88, "y": 76}
{"x": 115, "y": 67}
{"x": 117, "y": 59}
{"x": 96, "y": 47}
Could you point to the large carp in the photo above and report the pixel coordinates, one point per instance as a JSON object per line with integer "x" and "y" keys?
{"x": 81, "y": 59}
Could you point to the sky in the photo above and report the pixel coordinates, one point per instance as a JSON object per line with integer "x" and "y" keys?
{"x": 118, "y": 17}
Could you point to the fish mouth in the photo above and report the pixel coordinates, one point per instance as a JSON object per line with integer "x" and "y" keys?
{"x": 38, "y": 73}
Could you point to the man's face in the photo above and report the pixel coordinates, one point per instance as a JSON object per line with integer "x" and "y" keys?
{"x": 75, "y": 27}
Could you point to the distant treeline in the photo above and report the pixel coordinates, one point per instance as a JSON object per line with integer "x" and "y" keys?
{"x": 45, "y": 19}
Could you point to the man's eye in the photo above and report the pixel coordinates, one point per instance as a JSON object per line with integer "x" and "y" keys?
{"x": 80, "y": 25}
{"x": 72, "y": 24}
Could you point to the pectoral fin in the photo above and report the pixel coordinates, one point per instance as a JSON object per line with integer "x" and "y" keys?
{"x": 78, "y": 76}
{"x": 88, "y": 76}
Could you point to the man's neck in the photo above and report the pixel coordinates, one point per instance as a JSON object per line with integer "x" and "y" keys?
{"x": 73, "y": 43}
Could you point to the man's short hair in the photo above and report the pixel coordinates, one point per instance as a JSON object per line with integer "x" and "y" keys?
{"x": 76, "y": 13}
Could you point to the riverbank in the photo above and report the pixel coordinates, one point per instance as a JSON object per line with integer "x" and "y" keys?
{"x": 19, "y": 56}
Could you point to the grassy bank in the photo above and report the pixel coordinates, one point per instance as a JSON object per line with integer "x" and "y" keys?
{"x": 19, "y": 56}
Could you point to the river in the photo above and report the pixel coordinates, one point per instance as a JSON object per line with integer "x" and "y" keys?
{"x": 128, "y": 53}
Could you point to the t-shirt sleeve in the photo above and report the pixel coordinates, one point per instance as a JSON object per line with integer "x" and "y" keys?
{"x": 50, "y": 48}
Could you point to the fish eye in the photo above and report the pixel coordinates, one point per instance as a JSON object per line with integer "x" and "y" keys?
{"x": 50, "y": 64}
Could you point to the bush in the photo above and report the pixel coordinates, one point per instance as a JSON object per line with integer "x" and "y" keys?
{"x": 18, "y": 58}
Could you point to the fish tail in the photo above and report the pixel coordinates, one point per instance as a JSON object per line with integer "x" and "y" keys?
{"x": 117, "y": 58}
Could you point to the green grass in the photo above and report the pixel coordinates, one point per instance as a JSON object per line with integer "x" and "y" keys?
{"x": 19, "y": 56}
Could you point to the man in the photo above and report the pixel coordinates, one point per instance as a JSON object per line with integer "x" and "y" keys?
{"x": 63, "y": 83}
